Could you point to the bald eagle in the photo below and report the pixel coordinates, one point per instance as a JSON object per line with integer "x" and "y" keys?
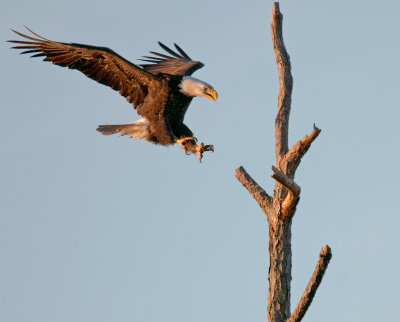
{"x": 160, "y": 90}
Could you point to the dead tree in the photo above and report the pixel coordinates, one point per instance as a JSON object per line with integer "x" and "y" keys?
{"x": 280, "y": 208}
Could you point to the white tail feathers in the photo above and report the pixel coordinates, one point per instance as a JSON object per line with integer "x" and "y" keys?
{"x": 138, "y": 130}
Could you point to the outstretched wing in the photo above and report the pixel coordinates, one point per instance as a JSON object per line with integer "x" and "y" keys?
{"x": 98, "y": 63}
{"x": 177, "y": 64}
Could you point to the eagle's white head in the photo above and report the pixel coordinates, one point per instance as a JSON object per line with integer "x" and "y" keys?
{"x": 192, "y": 87}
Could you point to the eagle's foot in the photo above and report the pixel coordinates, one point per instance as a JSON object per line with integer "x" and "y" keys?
{"x": 203, "y": 148}
{"x": 189, "y": 146}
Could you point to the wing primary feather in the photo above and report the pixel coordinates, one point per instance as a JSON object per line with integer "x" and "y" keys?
{"x": 29, "y": 51}
{"x": 182, "y": 52}
{"x": 150, "y": 60}
{"x": 23, "y": 42}
{"x": 25, "y": 47}
{"x": 38, "y": 55}
{"x": 161, "y": 55}
{"x": 25, "y": 36}
{"x": 36, "y": 34}
{"x": 170, "y": 51}
{"x": 155, "y": 58}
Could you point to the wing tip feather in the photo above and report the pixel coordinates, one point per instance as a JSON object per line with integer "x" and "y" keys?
{"x": 178, "y": 63}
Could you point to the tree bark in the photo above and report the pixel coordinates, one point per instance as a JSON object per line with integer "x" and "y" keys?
{"x": 281, "y": 208}
{"x": 280, "y": 267}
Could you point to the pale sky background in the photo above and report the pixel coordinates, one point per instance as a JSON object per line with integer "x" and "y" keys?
{"x": 161, "y": 237}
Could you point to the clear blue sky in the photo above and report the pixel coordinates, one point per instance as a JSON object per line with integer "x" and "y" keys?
{"x": 162, "y": 237}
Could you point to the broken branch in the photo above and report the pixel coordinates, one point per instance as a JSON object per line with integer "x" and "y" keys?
{"x": 292, "y": 198}
{"x": 288, "y": 183}
{"x": 324, "y": 257}
{"x": 298, "y": 150}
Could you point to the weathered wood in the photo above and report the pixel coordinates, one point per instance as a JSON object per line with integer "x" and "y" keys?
{"x": 297, "y": 151}
{"x": 286, "y": 85}
{"x": 280, "y": 268}
{"x": 281, "y": 208}
{"x": 258, "y": 193}
{"x": 288, "y": 205}
{"x": 324, "y": 257}
{"x": 280, "y": 248}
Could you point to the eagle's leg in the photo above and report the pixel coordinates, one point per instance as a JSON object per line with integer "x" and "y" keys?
{"x": 189, "y": 146}
{"x": 183, "y": 141}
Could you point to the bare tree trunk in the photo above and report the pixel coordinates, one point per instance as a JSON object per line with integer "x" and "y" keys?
{"x": 281, "y": 207}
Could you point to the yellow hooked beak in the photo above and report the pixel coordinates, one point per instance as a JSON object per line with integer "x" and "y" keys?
{"x": 211, "y": 93}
